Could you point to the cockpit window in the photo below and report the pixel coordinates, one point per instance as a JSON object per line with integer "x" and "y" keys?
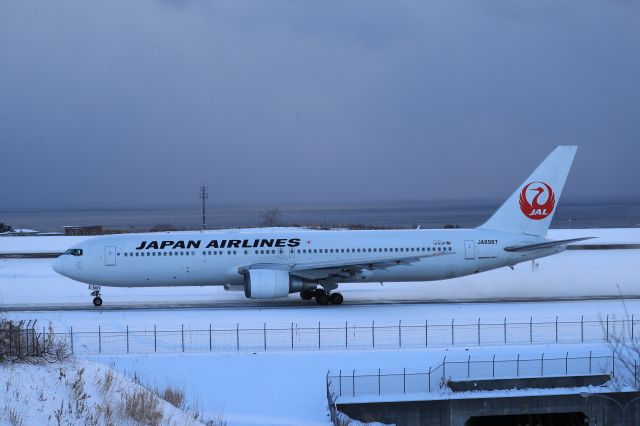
{"x": 74, "y": 252}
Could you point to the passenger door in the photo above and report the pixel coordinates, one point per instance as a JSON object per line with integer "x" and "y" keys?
{"x": 469, "y": 249}
{"x": 110, "y": 256}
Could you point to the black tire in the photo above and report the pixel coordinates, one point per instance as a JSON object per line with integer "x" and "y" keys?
{"x": 336, "y": 298}
{"x": 306, "y": 295}
{"x": 97, "y": 301}
{"x": 318, "y": 292}
{"x": 323, "y": 299}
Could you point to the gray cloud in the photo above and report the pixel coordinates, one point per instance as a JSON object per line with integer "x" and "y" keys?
{"x": 136, "y": 103}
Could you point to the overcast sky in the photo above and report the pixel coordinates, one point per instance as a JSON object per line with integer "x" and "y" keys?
{"x": 136, "y": 103}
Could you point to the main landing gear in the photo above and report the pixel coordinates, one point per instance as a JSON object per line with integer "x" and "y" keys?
{"x": 322, "y": 297}
{"x": 97, "y": 300}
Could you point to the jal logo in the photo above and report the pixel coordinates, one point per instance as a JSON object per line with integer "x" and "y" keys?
{"x": 537, "y": 200}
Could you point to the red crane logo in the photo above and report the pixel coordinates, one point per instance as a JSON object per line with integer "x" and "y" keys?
{"x": 535, "y": 209}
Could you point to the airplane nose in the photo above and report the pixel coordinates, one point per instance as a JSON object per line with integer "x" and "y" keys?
{"x": 58, "y": 265}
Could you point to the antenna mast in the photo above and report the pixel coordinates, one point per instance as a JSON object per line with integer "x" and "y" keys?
{"x": 204, "y": 194}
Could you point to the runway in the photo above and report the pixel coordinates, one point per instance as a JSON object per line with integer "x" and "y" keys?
{"x": 278, "y": 304}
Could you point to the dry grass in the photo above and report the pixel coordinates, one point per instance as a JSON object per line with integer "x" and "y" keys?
{"x": 173, "y": 396}
{"x": 14, "y": 418}
{"x": 142, "y": 406}
{"x": 107, "y": 382}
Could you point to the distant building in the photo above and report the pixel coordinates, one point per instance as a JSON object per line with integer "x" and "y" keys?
{"x": 84, "y": 230}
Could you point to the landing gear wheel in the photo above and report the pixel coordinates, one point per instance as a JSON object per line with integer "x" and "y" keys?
{"x": 306, "y": 295}
{"x": 323, "y": 298}
{"x": 318, "y": 292}
{"x": 336, "y": 298}
{"x": 97, "y": 301}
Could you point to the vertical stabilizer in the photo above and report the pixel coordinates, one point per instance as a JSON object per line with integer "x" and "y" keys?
{"x": 530, "y": 209}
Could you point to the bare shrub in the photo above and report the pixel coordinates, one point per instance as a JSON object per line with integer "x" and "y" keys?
{"x": 623, "y": 340}
{"x": 142, "y": 406}
{"x": 20, "y": 342}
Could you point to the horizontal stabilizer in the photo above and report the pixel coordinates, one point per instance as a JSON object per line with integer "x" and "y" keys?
{"x": 547, "y": 244}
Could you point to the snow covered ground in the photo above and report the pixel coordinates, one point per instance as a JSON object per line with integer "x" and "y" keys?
{"x": 80, "y": 392}
{"x": 288, "y": 387}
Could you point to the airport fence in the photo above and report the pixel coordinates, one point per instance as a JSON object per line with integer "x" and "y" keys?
{"x": 343, "y": 336}
{"x": 436, "y": 379}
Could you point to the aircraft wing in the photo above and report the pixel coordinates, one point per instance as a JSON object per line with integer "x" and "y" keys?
{"x": 546, "y": 244}
{"x": 340, "y": 270}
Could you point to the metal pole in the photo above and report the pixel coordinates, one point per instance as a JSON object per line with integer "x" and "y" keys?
{"x": 378, "y": 381}
{"x": 582, "y": 329}
{"x": 99, "y": 341}
{"x": 452, "y": 337}
{"x": 71, "y": 340}
{"x": 238, "y": 336}
{"x": 373, "y": 334}
{"x": 400, "y": 333}
{"x": 292, "y": 336}
{"x": 210, "y": 340}
{"x": 346, "y": 337}
{"x": 264, "y": 334}
{"x": 404, "y": 380}
{"x": 127, "y": 338}
{"x": 426, "y": 333}
{"x": 493, "y": 366}
{"x": 531, "y": 330}
{"x": 353, "y": 383}
{"x": 429, "y": 378}
{"x": 478, "y": 331}
{"x": 556, "y": 329}
{"x": 155, "y": 339}
{"x": 182, "y": 333}
{"x": 505, "y": 330}
{"x": 318, "y": 334}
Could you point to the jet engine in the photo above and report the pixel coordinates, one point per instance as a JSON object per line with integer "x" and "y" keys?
{"x": 266, "y": 283}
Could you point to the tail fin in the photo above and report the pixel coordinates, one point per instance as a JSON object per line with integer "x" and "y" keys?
{"x": 530, "y": 209}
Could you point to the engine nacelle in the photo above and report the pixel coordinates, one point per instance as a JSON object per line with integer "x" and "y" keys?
{"x": 266, "y": 283}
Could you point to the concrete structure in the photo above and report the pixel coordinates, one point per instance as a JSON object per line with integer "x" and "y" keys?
{"x": 552, "y": 408}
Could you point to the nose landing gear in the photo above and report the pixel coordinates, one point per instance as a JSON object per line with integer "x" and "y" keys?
{"x": 97, "y": 300}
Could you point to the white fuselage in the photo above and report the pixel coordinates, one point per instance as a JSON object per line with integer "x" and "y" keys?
{"x": 216, "y": 257}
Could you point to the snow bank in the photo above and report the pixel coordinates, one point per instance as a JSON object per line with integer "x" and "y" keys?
{"x": 78, "y": 392}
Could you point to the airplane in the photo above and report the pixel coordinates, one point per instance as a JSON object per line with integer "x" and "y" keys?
{"x": 271, "y": 263}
